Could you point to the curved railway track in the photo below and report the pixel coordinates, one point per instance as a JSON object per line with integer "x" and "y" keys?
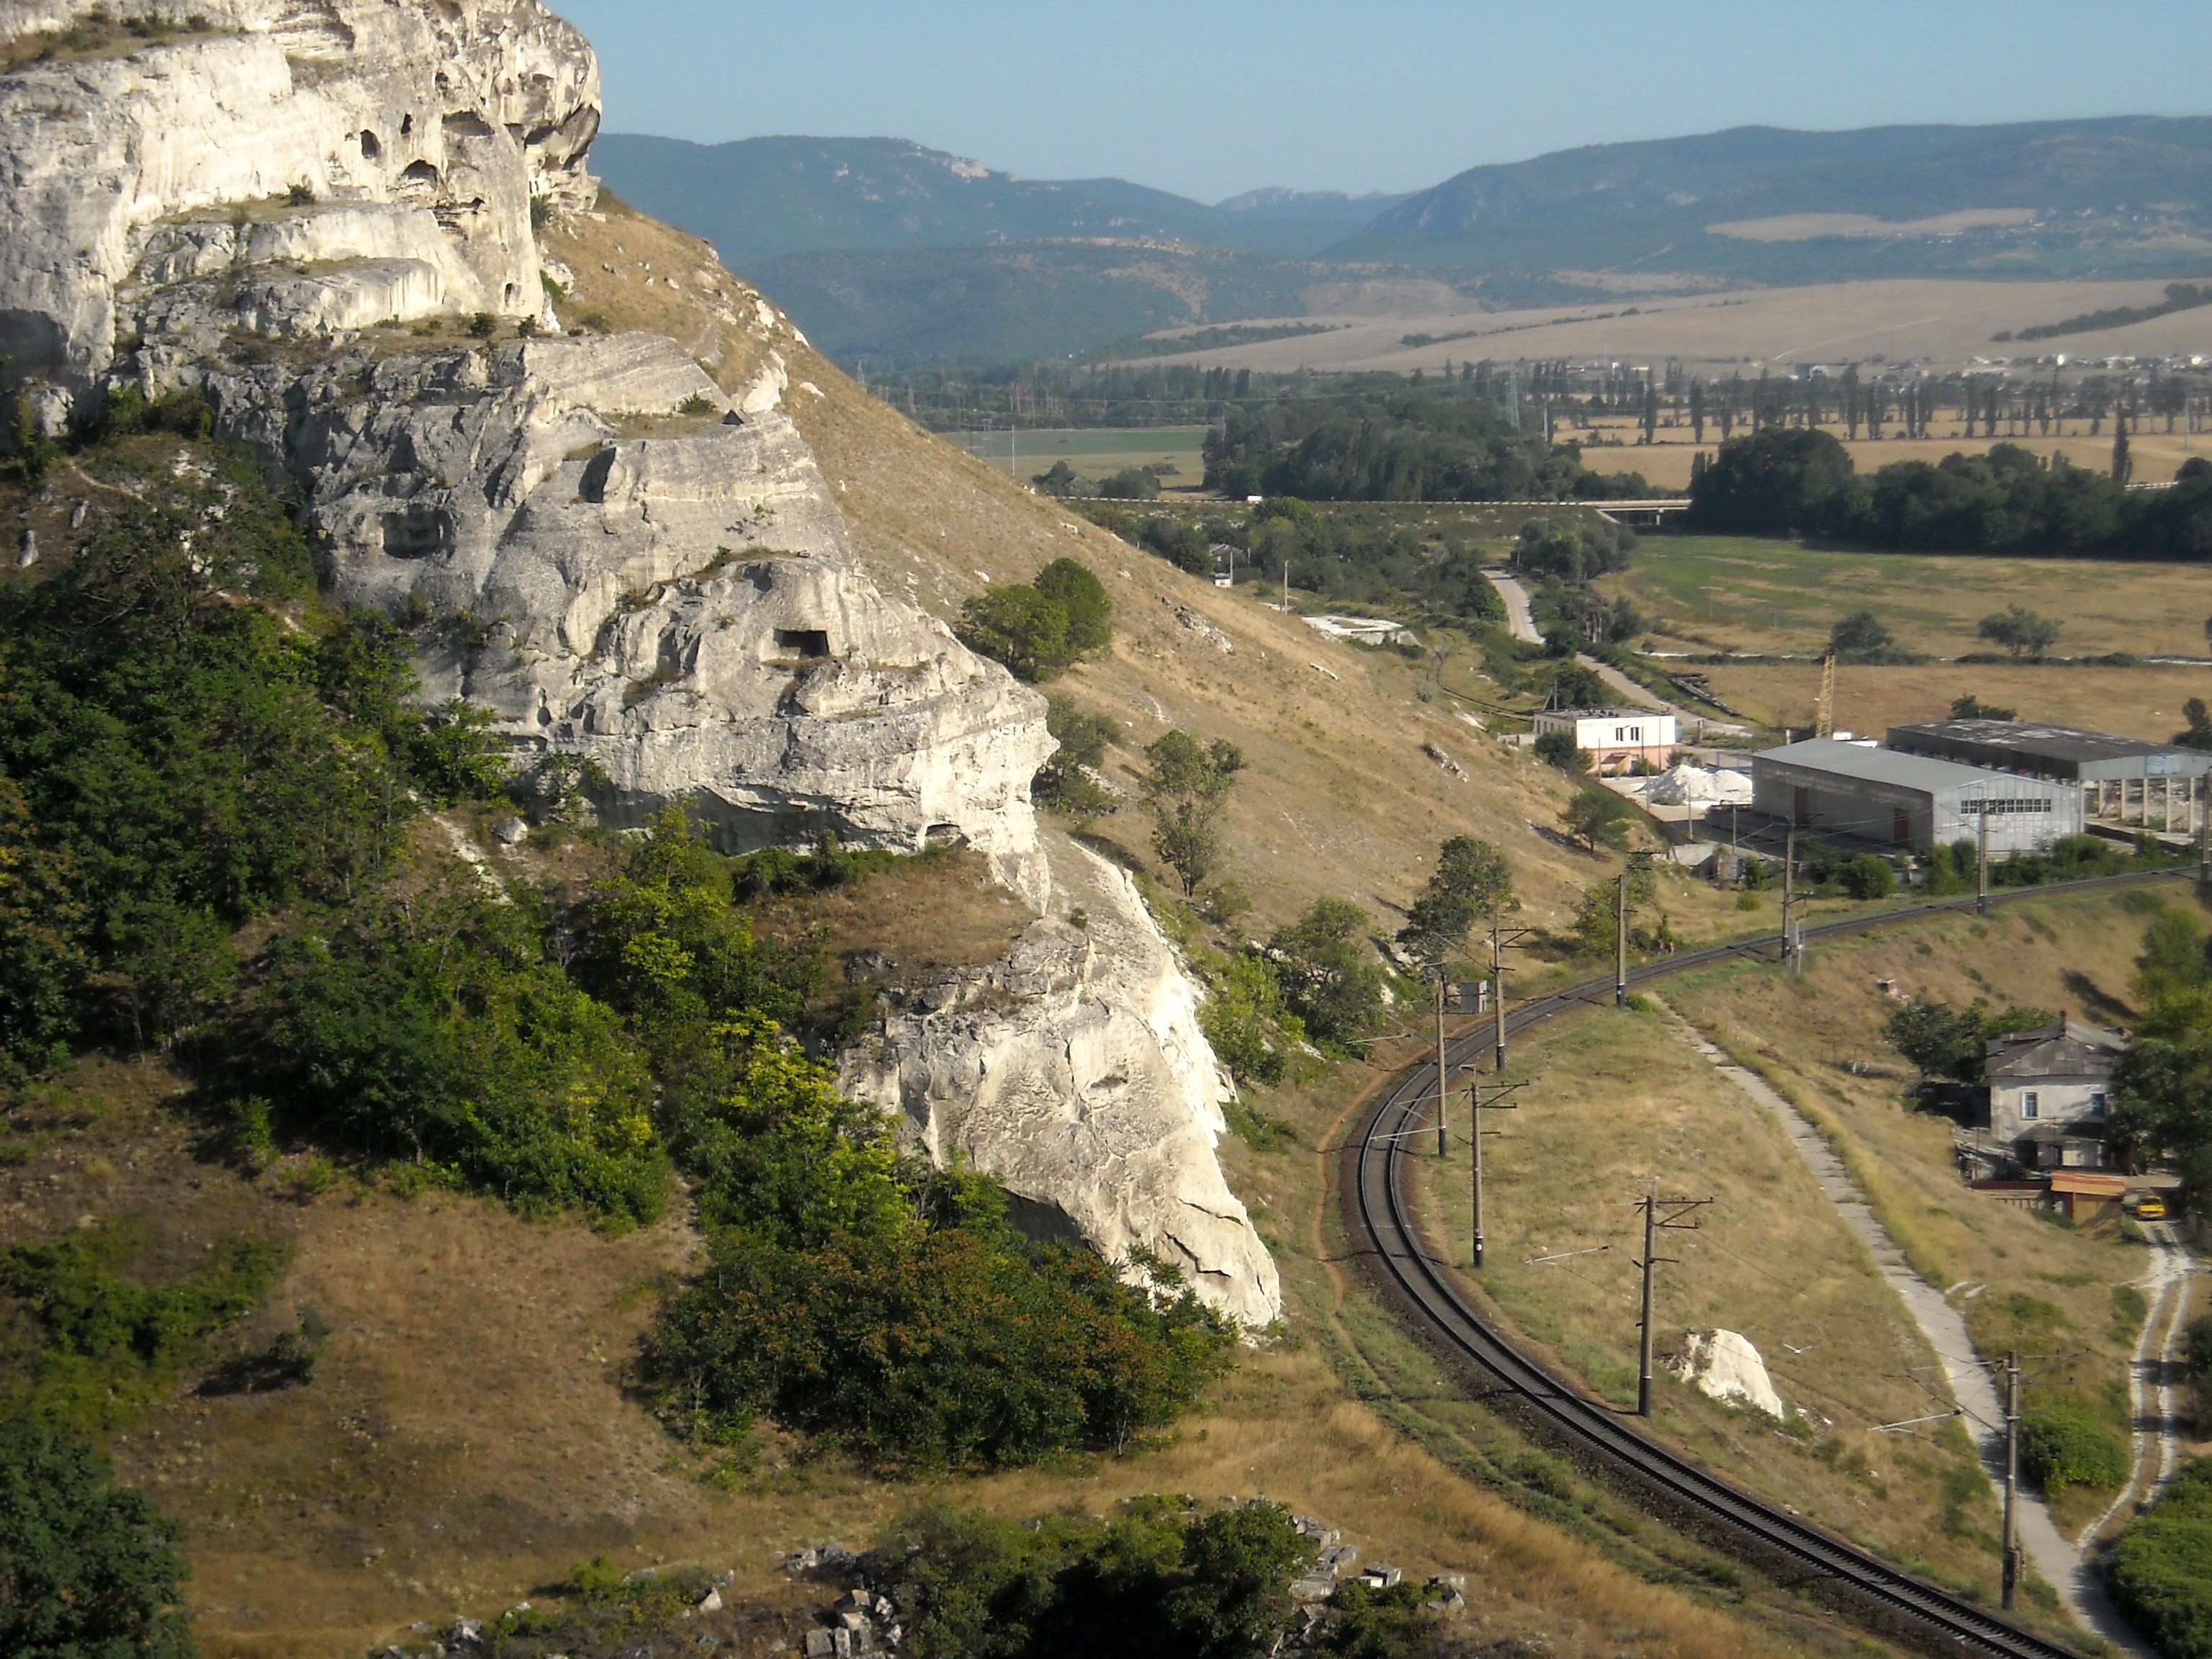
{"x": 1381, "y": 1212}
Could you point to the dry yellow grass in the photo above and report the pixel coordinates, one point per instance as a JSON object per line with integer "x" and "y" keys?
{"x": 2071, "y": 952}
{"x": 2138, "y": 702}
{"x": 1902, "y": 320}
{"x": 1617, "y": 1102}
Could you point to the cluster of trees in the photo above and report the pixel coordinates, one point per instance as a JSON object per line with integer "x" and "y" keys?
{"x": 1392, "y": 441}
{"x": 189, "y": 743}
{"x": 1154, "y": 1579}
{"x": 1131, "y": 484}
{"x": 1042, "y": 630}
{"x": 1950, "y": 1044}
{"x": 2161, "y": 1569}
{"x": 1783, "y": 482}
{"x": 2165, "y": 1106}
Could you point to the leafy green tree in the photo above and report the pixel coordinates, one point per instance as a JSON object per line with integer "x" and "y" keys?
{"x": 1473, "y": 881}
{"x": 1067, "y": 782}
{"x": 2161, "y": 1569}
{"x": 1083, "y": 596}
{"x": 1860, "y": 631}
{"x": 1023, "y": 628}
{"x": 1573, "y": 551}
{"x": 1368, "y": 1622}
{"x": 1249, "y": 1022}
{"x": 1187, "y": 788}
{"x": 1868, "y": 877}
{"x": 1779, "y": 481}
{"x": 86, "y": 1567}
{"x": 1131, "y": 484}
{"x": 1329, "y": 974}
{"x": 1972, "y": 708}
{"x": 2198, "y": 734}
{"x": 1598, "y": 817}
{"x": 1559, "y": 749}
{"x": 2019, "y": 630}
{"x": 1235, "y": 1601}
{"x": 1943, "y": 1041}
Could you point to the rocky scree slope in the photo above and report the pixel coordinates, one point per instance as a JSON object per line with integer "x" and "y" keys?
{"x": 617, "y": 544}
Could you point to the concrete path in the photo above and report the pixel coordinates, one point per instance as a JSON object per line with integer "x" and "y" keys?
{"x": 1520, "y": 622}
{"x": 1973, "y": 1384}
{"x": 2151, "y": 1402}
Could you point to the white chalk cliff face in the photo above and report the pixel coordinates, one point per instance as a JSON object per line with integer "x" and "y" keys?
{"x": 588, "y": 537}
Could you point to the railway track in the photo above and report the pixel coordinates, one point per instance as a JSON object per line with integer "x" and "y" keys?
{"x": 1381, "y": 1212}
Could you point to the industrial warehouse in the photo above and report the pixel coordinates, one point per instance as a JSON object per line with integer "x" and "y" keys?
{"x": 1854, "y": 789}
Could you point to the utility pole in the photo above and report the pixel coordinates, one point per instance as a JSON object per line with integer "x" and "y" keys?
{"x": 1981, "y": 864}
{"x": 1621, "y": 943}
{"x": 1654, "y": 1224}
{"x": 1788, "y": 891}
{"x": 2012, "y": 1476}
{"x": 1443, "y": 1088}
{"x": 1501, "y": 940}
{"x": 1476, "y": 1102}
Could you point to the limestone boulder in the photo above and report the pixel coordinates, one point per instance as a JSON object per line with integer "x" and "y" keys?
{"x": 1074, "y": 1070}
{"x": 1723, "y": 1365}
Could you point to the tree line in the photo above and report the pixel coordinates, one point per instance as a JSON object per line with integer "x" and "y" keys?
{"x": 1783, "y": 482}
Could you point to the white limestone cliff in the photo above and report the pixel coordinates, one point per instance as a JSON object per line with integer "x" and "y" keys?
{"x": 628, "y": 568}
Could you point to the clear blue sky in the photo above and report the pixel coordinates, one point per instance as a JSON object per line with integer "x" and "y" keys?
{"x": 1211, "y": 97}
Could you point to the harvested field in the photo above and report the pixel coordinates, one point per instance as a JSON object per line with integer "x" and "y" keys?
{"x": 1909, "y": 320}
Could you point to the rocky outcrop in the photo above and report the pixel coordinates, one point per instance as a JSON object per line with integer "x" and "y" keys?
{"x": 1073, "y": 1070}
{"x": 416, "y": 136}
{"x": 643, "y": 579}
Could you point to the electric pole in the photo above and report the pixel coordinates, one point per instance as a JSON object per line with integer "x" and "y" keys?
{"x": 1502, "y": 940}
{"x": 1620, "y": 943}
{"x": 1982, "y": 865}
{"x": 1443, "y": 1088}
{"x": 1678, "y": 1209}
{"x": 1495, "y": 1102}
{"x": 1788, "y": 892}
{"x": 2012, "y": 1476}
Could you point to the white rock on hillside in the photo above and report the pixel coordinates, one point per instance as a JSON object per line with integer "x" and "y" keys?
{"x": 1723, "y": 1365}
{"x": 1074, "y": 1070}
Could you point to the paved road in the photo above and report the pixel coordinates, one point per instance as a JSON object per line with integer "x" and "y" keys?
{"x": 1521, "y": 622}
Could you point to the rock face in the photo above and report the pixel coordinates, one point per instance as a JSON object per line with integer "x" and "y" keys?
{"x": 1074, "y": 1069}
{"x": 1723, "y": 1365}
{"x": 423, "y": 132}
{"x": 645, "y": 578}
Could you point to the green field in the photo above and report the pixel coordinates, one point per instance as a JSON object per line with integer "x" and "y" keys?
{"x": 1755, "y": 595}
{"x": 1095, "y": 451}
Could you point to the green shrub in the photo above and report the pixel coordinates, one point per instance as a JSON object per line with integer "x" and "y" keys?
{"x": 2161, "y": 1569}
{"x": 1040, "y": 630}
{"x": 1149, "y": 1581}
{"x": 2063, "y": 1445}
{"x": 1328, "y": 973}
{"x": 87, "y": 1570}
{"x": 1870, "y": 877}
{"x": 108, "y": 1344}
{"x": 1066, "y": 782}
{"x": 1248, "y": 1021}
{"x": 1559, "y": 749}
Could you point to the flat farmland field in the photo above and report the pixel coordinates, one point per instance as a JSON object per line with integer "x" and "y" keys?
{"x": 1747, "y": 594}
{"x": 2137, "y": 703}
{"x": 1904, "y": 320}
{"x": 1098, "y": 451}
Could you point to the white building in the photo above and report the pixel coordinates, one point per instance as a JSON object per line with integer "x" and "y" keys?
{"x": 1615, "y": 739}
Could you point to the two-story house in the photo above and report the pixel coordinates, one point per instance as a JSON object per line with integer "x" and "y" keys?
{"x": 2051, "y": 1093}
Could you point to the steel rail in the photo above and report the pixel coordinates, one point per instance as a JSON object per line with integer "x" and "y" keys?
{"x": 1377, "y": 1162}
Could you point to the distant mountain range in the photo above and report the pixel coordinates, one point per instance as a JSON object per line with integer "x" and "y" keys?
{"x": 884, "y": 247}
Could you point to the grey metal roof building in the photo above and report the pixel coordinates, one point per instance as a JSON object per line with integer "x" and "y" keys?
{"x": 2036, "y": 750}
{"x": 1856, "y": 790}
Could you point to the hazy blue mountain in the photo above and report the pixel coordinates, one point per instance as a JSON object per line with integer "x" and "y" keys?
{"x": 762, "y": 198}
{"x": 883, "y": 247}
{"x": 2110, "y": 195}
